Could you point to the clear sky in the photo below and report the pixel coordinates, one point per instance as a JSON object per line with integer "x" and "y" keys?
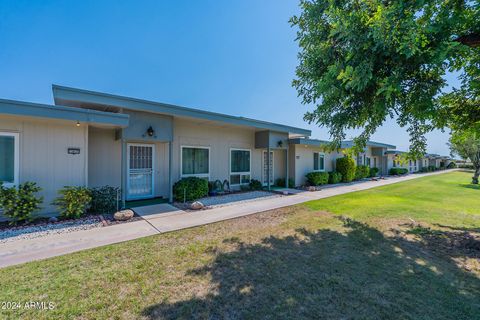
{"x": 236, "y": 56}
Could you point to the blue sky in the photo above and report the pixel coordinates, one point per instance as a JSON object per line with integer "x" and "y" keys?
{"x": 236, "y": 57}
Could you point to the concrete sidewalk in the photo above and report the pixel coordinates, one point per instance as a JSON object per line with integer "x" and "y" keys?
{"x": 164, "y": 218}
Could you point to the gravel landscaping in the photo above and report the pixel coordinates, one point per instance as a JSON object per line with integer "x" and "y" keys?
{"x": 45, "y": 229}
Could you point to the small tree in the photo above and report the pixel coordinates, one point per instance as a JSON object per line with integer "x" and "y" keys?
{"x": 466, "y": 144}
{"x": 346, "y": 166}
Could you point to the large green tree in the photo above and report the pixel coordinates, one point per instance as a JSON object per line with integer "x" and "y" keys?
{"x": 364, "y": 61}
{"x": 466, "y": 144}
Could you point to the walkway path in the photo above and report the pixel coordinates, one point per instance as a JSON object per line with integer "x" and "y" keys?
{"x": 163, "y": 218}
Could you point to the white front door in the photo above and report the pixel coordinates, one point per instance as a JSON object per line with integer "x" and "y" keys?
{"x": 140, "y": 160}
{"x": 265, "y": 168}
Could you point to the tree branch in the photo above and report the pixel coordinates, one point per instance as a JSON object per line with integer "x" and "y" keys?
{"x": 472, "y": 40}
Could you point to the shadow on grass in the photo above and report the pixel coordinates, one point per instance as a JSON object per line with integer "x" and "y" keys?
{"x": 331, "y": 275}
{"x": 471, "y": 186}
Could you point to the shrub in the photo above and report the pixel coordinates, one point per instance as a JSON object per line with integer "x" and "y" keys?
{"x": 346, "y": 167}
{"x": 424, "y": 169}
{"x": 334, "y": 177}
{"x": 104, "y": 199}
{"x": 190, "y": 189}
{"x": 20, "y": 203}
{"x": 398, "y": 171}
{"x": 280, "y": 182}
{"x": 255, "y": 185}
{"x": 362, "y": 172}
{"x": 374, "y": 172}
{"x": 73, "y": 202}
{"x": 317, "y": 178}
{"x": 451, "y": 165}
{"x": 432, "y": 168}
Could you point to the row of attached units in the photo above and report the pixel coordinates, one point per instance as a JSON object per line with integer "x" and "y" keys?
{"x": 93, "y": 139}
{"x": 429, "y": 161}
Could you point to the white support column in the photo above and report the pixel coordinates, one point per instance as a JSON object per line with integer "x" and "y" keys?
{"x": 286, "y": 179}
{"x": 170, "y": 171}
{"x": 124, "y": 172}
{"x": 268, "y": 167}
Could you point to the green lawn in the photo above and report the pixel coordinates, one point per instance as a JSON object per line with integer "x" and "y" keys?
{"x": 353, "y": 256}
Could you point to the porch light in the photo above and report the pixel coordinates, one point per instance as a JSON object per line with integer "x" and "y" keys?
{"x": 78, "y": 123}
{"x": 150, "y": 131}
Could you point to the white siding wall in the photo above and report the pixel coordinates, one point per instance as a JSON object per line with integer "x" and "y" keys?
{"x": 302, "y": 163}
{"x": 43, "y": 154}
{"x": 220, "y": 140}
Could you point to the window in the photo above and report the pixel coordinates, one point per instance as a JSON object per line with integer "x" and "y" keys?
{"x": 374, "y": 162}
{"x": 318, "y": 161}
{"x": 239, "y": 166}
{"x": 367, "y": 161}
{"x": 9, "y": 158}
{"x": 195, "y": 162}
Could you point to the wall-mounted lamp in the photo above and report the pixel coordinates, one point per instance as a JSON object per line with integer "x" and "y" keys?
{"x": 78, "y": 123}
{"x": 150, "y": 131}
{"x": 280, "y": 143}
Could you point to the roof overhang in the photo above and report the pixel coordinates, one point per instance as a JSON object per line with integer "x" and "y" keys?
{"x": 350, "y": 143}
{"x": 73, "y": 97}
{"x": 395, "y": 152}
{"x": 309, "y": 142}
{"x": 28, "y": 109}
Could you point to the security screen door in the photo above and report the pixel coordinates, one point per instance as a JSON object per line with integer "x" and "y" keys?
{"x": 265, "y": 168}
{"x": 140, "y": 159}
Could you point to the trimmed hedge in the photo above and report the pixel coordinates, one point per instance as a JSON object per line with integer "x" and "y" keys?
{"x": 255, "y": 185}
{"x": 190, "y": 189}
{"x": 346, "y": 167}
{"x": 334, "y": 177}
{"x": 317, "y": 178}
{"x": 280, "y": 182}
{"x": 362, "y": 172}
{"x": 398, "y": 171}
{"x": 451, "y": 165}
{"x": 104, "y": 199}
{"x": 374, "y": 172}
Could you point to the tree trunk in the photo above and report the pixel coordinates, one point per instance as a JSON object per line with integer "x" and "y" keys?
{"x": 475, "y": 175}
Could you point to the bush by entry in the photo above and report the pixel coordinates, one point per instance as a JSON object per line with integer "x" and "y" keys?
{"x": 398, "y": 171}
{"x": 190, "y": 189}
{"x": 317, "y": 178}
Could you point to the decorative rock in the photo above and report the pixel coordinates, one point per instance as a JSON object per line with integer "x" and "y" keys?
{"x": 123, "y": 215}
{"x": 197, "y": 205}
{"x": 53, "y": 219}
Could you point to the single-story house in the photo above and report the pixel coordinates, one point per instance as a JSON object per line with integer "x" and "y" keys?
{"x": 93, "y": 139}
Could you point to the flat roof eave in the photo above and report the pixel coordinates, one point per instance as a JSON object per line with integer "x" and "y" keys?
{"x": 349, "y": 144}
{"x": 28, "y": 109}
{"x": 308, "y": 142}
{"x": 64, "y": 94}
